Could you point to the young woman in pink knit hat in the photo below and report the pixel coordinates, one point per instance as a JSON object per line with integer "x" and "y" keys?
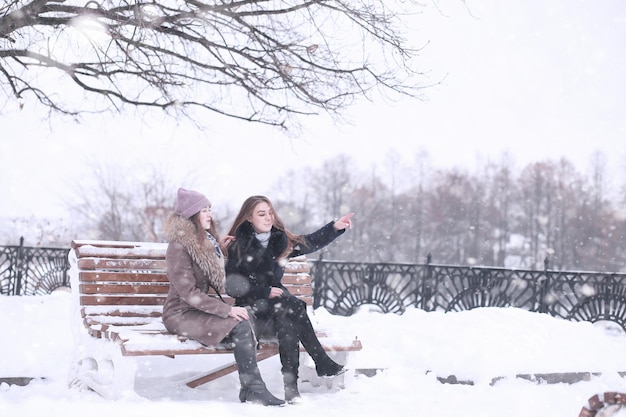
{"x": 195, "y": 263}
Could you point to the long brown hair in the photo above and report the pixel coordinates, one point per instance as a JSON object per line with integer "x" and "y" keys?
{"x": 200, "y": 232}
{"x": 246, "y": 211}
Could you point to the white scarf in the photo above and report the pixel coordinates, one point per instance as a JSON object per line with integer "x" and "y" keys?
{"x": 263, "y": 237}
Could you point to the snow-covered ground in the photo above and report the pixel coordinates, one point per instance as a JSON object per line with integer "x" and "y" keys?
{"x": 413, "y": 349}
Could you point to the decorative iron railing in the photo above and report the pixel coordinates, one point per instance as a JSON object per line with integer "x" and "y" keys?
{"x": 344, "y": 287}
{"x": 32, "y": 270}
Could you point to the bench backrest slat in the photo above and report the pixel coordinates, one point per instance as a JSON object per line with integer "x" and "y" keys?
{"x": 291, "y": 279}
{"x": 106, "y": 264}
{"x": 123, "y": 289}
{"x": 121, "y": 276}
{"x": 301, "y": 291}
{"x": 116, "y": 274}
{"x": 116, "y": 300}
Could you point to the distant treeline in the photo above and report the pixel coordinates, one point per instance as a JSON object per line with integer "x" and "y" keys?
{"x": 496, "y": 216}
{"x": 493, "y": 216}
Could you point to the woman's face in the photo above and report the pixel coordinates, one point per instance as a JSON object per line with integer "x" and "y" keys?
{"x": 262, "y": 218}
{"x": 205, "y": 217}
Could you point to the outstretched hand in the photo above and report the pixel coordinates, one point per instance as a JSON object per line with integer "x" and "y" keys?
{"x": 345, "y": 222}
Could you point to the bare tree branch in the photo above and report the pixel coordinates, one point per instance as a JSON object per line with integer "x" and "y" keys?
{"x": 266, "y": 61}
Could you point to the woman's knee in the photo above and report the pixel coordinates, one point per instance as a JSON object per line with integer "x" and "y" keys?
{"x": 292, "y": 305}
{"x": 242, "y": 331}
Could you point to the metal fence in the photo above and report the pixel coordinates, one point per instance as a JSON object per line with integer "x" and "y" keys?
{"x": 32, "y": 270}
{"x": 344, "y": 287}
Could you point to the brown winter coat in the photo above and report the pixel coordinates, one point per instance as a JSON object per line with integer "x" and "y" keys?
{"x": 191, "y": 269}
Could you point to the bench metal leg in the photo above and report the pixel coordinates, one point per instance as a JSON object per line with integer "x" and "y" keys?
{"x": 226, "y": 369}
{"x": 101, "y": 367}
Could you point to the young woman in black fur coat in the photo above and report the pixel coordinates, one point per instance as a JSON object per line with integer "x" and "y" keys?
{"x": 254, "y": 270}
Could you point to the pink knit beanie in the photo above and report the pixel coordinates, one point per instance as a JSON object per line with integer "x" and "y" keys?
{"x": 190, "y": 202}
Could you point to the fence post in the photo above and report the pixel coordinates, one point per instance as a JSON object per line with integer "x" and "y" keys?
{"x": 317, "y": 283}
{"x": 544, "y": 286}
{"x": 17, "y": 289}
{"x": 427, "y": 291}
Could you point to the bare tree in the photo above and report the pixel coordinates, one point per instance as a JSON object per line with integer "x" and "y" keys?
{"x": 294, "y": 200}
{"x": 537, "y": 188}
{"x": 415, "y": 204}
{"x": 595, "y": 241}
{"x": 332, "y": 186}
{"x": 265, "y": 61}
{"x": 448, "y": 217}
{"x": 394, "y": 227}
{"x": 369, "y": 201}
{"x": 500, "y": 200}
{"x": 115, "y": 204}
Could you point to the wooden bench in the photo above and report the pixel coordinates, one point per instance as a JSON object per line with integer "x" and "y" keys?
{"x": 118, "y": 291}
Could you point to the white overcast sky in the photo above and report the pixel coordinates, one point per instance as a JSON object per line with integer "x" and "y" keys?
{"x": 539, "y": 79}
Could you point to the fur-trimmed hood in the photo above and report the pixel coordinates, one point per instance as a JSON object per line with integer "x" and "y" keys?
{"x": 181, "y": 230}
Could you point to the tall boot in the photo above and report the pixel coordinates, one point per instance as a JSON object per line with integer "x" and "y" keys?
{"x": 292, "y": 395}
{"x": 288, "y": 349}
{"x": 253, "y": 388}
{"x": 324, "y": 365}
{"x": 289, "y": 352}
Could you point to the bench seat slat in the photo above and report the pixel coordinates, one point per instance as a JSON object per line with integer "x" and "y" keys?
{"x": 271, "y": 348}
{"x": 129, "y": 350}
{"x": 142, "y": 341}
{"x": 123, "y": 311}
{"x": 117, "y": 321}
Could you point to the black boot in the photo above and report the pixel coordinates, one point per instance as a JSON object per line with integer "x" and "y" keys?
{"x": 243, "y": 393}
{"x": 253, "y": 389}
{"x": 328, "y": 367}
{"x": 292, "y": 395}
{"x": 256, "y": 393}
{"x": 324, "y": 365}
{"x": 288, "y": 347}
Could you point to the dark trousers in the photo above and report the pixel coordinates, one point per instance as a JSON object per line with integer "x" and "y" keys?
{"x": 292, "y": 325}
